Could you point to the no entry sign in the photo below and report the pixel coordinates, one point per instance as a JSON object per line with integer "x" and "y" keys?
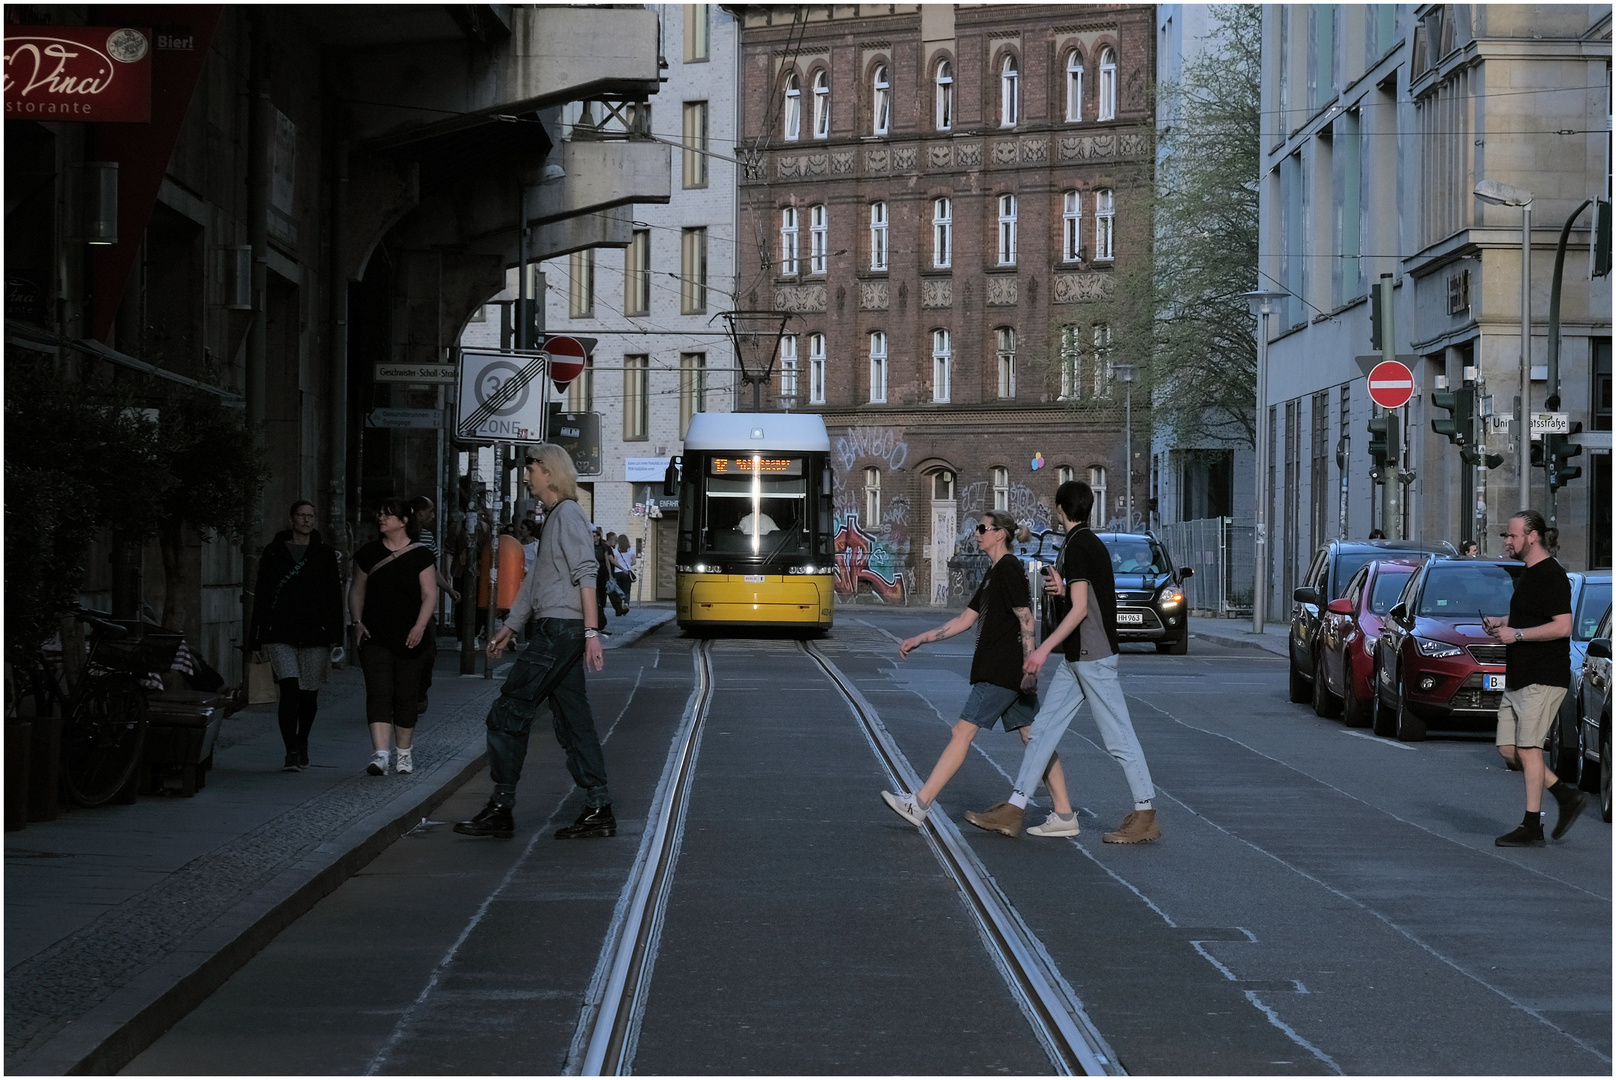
{"x": 1391, "y": 385}
{"x": 566, "y": 359}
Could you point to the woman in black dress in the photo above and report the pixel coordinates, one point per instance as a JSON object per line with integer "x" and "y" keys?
{"x": 392, "y": 600}
{"x": 297, "y": 621}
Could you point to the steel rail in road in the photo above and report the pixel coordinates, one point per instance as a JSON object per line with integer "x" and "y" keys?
{"x": 613, "y": 1025}
{"x": 1074, "y": 1045}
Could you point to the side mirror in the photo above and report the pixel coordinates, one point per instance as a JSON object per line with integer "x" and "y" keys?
{"x": 1400, "y": 614}
{"x": 670, "y": 478}
{"x": 1306, "y": 595}
{"x": 1600, "y": 647}
{"x": 1185, "y": 573}
{"x": 1340, "y": 606}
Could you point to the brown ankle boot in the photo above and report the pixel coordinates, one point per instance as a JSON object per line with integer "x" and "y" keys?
{"x": 1001, "y": 818}
{"x": 1139, "y": 827}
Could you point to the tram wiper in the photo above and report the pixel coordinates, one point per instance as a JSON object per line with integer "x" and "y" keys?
{"x": 786, "y": 534}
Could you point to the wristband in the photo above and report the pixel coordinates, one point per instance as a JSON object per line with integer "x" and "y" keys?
{"x": 590, "y": 631}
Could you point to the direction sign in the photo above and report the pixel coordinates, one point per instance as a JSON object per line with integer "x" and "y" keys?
{"x": 415, "y": 373}
{"x": 1550, "y": 423}
{"x": 1391, "y": 385}
{"x": 501, "y": 396}
{"x": 404, "y": 418}
{"x": 566, "y": 359}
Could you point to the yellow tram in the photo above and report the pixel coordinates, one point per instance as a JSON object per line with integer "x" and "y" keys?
{"x": 755, "y": 528}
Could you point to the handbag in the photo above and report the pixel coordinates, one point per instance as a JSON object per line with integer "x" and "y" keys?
{"x": 262, "y": 688}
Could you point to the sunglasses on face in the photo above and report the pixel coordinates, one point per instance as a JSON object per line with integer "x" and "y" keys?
{"x": 985, "y": 528}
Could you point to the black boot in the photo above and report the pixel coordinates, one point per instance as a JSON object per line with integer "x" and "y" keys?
{"x": 594, "y": 821}
{"x": 1572, "y": 802}
{"x": 493, "y": 820}
{"x": 1529, "y": 833}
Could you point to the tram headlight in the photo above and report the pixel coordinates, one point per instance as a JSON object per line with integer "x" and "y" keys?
{"x": 698, "y": 568}
{"x": 809, "y": 569}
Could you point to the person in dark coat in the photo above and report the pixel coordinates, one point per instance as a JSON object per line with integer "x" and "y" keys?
{"x": 297, "y": 621}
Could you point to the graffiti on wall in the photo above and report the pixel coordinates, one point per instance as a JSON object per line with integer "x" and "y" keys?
{"x": 977, "y": 498}
{"x": 874, "y": 555}
{"x": 862, "y": 556}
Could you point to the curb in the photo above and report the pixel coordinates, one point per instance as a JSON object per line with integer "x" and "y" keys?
{"x": 1240, "y": 641}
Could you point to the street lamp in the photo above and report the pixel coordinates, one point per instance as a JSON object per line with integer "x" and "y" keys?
{"x": 1262, "y": 303}
{"x": 1500, "y": 194}
{"x": 1125, "y": 374}
{"x": 756, "y": 335}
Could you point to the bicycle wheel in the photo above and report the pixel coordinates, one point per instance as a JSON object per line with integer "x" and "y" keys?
{"x": 103, "y": 739}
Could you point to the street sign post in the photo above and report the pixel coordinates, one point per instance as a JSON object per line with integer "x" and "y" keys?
{"x": 1550, "y": 423}
{"x": 1391, "y": 385}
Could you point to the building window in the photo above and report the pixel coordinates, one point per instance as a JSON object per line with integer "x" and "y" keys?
{"x": 941, "y": 358}
{"x": 1108, "y": 84}
{"x": 878, "y": 367}
{"x": 872, "y": 498}
{"x": 636, "y": 397}
{"x": 1001, "y": 491}
{"x": 1104, "y": 225}
{"x": 581, "y": 391}
{"x": 821, "y": 104}
{"x": 692, "y": 388}
{"x": 637, "y": 274}
{"x": 1007, "y": 230}
{"x": 1074, "y": 87}
{"x": 1097, "y": 518}
{"x": 788, "y": 367}
{"x": 816, "y": 369}
{"x": 818, "y": 239}
{"x": 581, "y": 288}
{"x": 788, "y": 240}
{"x": 942, "y": 233}
{"x": 1072, "y": 227}
{"x": 882, "y": 99}
{"x": 1071, "y": 364}
{"x": 878, "y": 236}
{"x": 698, "y": 32}
{"x": 793, "y": 109}
{"x": 693, "y": 272}
{"x": 945, "y": 96}
{"x": 1064, "y": 475}
{"x": 695, "y": 144}
{"x": 1102, "y": 359}
{"x": 1009, "y": 92}
{"x": 1007, "y": 361}
{"x": 942, "y": 486}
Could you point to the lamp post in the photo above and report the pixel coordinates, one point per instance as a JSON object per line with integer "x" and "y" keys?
{"x": 1500, "y": 194}
{"x": 756, "y": 336}
{"x": 1262, "y": 305}
{"x": 1125, "y": 374}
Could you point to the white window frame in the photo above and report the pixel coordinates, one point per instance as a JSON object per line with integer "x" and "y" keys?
{"x": 693, "y": 270}
{"x": 1105, "y": 233}
{"x": 878, "y": 236}
{"x": 637, "y": 274}
{"x": 941, "y": 362}
{"x": 1072, "y": 226}
{"x": 878, "y": 367}
{"x": 942, "y": 233}
{"x": 636, "y": 397}
{"x": 944, "y": 111}
{"x": 872, "y": 497}
{"x": 1001, "y": 491}
{"x": 1108, "y": 84}
{"x": 1007, "y": 230}
{"x": 822, "y": 104}
{"x": 1009, "y": 91}
{"x": 1005, "y": 338}
{"x": 791, "y": 128}
{"x": 788, "y": 366}
{"x": 881, "y": 100}
{"x": 1102, "y": 359}
{"x": 818, "y": 239}
{"x": 816, "y": 369}
{"x": 1071, "y": 364}
{"x": 1064, "y": 475}
{"x": 581, "y": 294}
{"x": 1097, "y": 518}
{"x": 1074, "y": 87}
{"x": 695, "y": 144}
{"x": 788, "y": 240}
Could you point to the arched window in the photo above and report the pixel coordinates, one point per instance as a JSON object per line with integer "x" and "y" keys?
{"x": 1074, "y": 86}
{"x": 882, "y": 100}
{"x": 793, "y": 115}
{"x": 942, "y": 233}
{"x": 1072, "y": 230}
{"x": 872, "y": 498}
{"x": 1105, "y": 209}
{"x": 1097, "y": 518}
{"x": 878, "y": 236}
{"x": 1009, "y": 92}
{"x": 816, "y": 369}
{"x": 818, "y": 239}
{"x": 821, "y": 104}
{"x": 878, "y": 367}
{"x": 945, "y": 96}
{"x": 1064, "y": 475}
{"x": 1108, "y": 84}
{"x": 1001, "y": 492}
{"x": 1007, "y": 230}
{"x": 942, "y": 485}
{"x": 941, "y": 358}
{"x": 788, "y": 240}
{"x": 1006, "y": 338}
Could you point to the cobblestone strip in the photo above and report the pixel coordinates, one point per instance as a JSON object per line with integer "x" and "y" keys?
{"x": 62, "y": 983}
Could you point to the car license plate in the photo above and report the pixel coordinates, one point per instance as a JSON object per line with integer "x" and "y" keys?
{"x": 1130, "y": 618}
{"x": 1494, "y": 682}
{"x": 754, "y": 579}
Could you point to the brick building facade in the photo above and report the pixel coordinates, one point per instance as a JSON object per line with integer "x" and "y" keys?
{"x": 940, "y": 195}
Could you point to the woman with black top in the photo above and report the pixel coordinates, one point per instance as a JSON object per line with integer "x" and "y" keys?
{"x": 392, "y": 599}
{"x": 297, "y": 621}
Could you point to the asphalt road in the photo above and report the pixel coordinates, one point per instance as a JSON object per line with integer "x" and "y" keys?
{"x": 1321, "y": 900}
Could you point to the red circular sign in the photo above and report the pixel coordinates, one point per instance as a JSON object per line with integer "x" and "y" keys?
{"x": 1390, "y": 385}
{"x": 566, "y": 359}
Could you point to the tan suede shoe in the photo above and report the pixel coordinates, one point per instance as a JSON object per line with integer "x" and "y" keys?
{"x": 1139, "y": 827}
{"x": 1001, "y": 818}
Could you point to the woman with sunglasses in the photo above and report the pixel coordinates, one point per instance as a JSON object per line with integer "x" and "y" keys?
{"x": 1000, "y": 689}
{"x": 392, "y": 600}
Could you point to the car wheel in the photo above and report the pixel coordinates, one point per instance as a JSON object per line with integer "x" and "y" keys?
{"x": 1175, "y": 648}
{"x": 1604, "y": 767}
{"x": 1562, "y": 761}
{"x": 1410, "y": 728}
{"x": 1354, "y": 712}
{"x": 1300, "y": 690}
{"x": 1383, "y": 720}
{"x": 1324, "y": 702}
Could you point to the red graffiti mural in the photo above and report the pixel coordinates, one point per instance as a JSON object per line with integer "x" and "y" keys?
{"x": 863, "y": 557}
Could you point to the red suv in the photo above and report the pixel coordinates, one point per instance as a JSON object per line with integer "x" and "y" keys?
{"x": 1437, "y": 666}
{"x": 1344, "y": 681}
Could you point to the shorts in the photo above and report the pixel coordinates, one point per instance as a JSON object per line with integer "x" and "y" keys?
{"x": 1524, "y": 715}
{"x": 988, "y": 704}
{"x": 310, "y": 666}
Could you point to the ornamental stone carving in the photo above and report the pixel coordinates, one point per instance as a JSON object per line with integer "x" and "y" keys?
{"x": 1132, "y": 145}
{"x": 1034, "y": 150}
{"x": 788, "y": 167}
{"x": 1001, "y": 291}
{"x": 903, "y": 157}
{"x": 841, "y": 162}
{"x": 817, "y": 164}
{"x": 968, "y": 155}
{"x": 1088, "y": 147}
{"x": 872, "y": 295}
{"x": 1081, "y": 288}
{"x": 877, "y": 161}
{"x": 802, "y": 298}
{"x": 1004, "y": 153}
{"x": 941, "y": 157}
{"x": 936, "y": 292}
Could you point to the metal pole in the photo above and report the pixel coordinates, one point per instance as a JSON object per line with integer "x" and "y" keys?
{"x": 1552, "y": 399}
{"x": 1523, "y": 406}
{"x": 1127, "y": 463}
{"x": 1260, "y": 547}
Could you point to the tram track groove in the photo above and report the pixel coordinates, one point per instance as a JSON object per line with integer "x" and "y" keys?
{"x": 1074, "y": 1045}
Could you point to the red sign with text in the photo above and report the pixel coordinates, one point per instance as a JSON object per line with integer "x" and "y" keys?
{"x": 99, "y": 74}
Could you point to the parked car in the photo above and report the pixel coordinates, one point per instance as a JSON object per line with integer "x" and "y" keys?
{"x": 1436, "y": 663}
{"x": 1327, "y": 576}
{"x": 1344, "y": 681}
{"x": 1593, "y": 714}
{"x": 1590, "y": 596}
{"x": 1150, "y": 592}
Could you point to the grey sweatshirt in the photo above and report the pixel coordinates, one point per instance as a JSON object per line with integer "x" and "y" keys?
{"x": 566, "y": 561}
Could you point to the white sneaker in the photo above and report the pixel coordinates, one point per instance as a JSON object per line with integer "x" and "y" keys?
{"x": 378, "y": 764}
{"x": 403, "y": 763}
{"x": 1054, "y": 826}
{"x": 906, "y": 807}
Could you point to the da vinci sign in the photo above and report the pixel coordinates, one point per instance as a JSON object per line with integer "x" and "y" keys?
{"x": 85, "y": 73}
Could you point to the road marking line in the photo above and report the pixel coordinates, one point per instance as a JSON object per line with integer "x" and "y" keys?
{"x": 1378, "y": 740}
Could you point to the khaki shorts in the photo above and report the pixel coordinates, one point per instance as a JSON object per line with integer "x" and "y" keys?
{"x": 1524, "y": 715}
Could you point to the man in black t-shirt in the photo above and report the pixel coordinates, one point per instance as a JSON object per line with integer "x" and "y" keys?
{"x": 1537, "y": 658}
{"x": 1000, "y": 689}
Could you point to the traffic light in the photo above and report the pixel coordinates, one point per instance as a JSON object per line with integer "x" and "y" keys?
{"x": 1601, "y": 246}
{"x": 1380, "y": 314}
{"x": 1460, "y": 406}
{"x": 1380, "y": 451}
{"x": 1559, "y": 449}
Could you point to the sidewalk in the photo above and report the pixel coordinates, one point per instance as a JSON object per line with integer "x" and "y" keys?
{"x": 120, "y": 920}
{"x": 1275, "y": 637}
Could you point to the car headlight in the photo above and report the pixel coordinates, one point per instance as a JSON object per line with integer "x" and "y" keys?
{"x": 1432, "y": 648}
{"x": 1171, "y": 598}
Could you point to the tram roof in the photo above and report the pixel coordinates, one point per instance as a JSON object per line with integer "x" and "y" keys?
{"x": 763, "y": 431}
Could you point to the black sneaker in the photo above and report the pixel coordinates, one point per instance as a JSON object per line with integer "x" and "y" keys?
{"x": 594, "y": 821}
{"x": 493, "y": 820}
{"x": 291, "y": 763}
{"x": 1572, "y": 803}
{"x": 1523, "y": 836}
{"x": 303, "y": 758}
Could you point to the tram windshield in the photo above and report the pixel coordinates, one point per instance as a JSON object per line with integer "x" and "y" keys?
{"x": 756, "y": 505}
